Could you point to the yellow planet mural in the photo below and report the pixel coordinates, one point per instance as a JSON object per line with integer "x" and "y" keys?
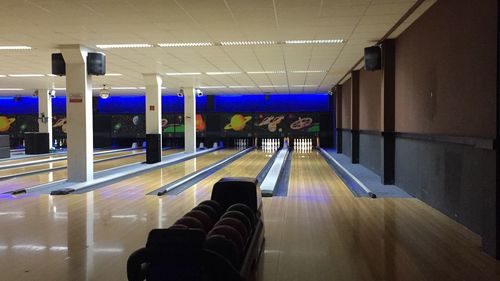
{"x": 238, "y": 122}
{"x": 5, "y": 123}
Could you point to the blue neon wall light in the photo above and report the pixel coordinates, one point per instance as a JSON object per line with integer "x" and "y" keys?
{"x": 25, "y": 105}
{"x": 137, "y": 104}
{"x": 272, "y": 103}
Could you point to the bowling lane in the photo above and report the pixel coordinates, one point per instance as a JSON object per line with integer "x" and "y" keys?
{"x": 157, "y": 178}
{"x": 42, "y": 178}
{"x": 319, "y": 232}
{"x": 247, "y": 166}
{"x": 43, "y": 157}
{"x": 62, "y": 163}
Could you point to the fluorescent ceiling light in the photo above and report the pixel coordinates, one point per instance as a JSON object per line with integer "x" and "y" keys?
{"x": 223, "y": 73}
{"x": 309, "y": 71}
{"x": 244, "y": 43}
{"x": 11, "y": 89}
{"x": 59, "y": 89}
{"x": 124, "y": 88}
{"x": 113, "y": 74}
{"x": 304, "y": 86}
{"x": 323, "y": 41}
{"x": 212, "y": 87}
{"x": 1, "y": 75}
{"x": 118, "y": 46}
{"x": 15, "y": 48}
{"x": 236, "y": 87}
{"x": 192, "y": 44}
{"x": 182, "y": 73}
{"x": 274, "y": 86}
{"x": 267, "y": 72}
{"x": 25, "y": 75}
{"x": 51, "y": 75}
{"x": 144, "y": 88}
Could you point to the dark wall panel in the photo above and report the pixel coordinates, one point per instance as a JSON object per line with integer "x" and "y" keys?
{"x": 446, "y": 70}
{"x": 370, "y": 83}
{"x": 346, "y": 105}
{"x": 346, "y": 143}
{"x": 455, "y": 179}
{"x": 369, "y": 151}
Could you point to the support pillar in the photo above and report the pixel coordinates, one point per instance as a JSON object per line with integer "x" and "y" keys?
{"x": 355, "y": 116}
{"x": 79, "y": 114}
{"x": 45, "y": 113}
{"x": 338, "y": 109}
{"x": 388, "y": 111}
{"x": 153, "y": 117}
{"x": 496, "y": 247}
{"x": 190, "y": 120}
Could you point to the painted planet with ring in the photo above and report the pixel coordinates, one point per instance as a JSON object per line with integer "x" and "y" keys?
{"x": 238, "y": 122}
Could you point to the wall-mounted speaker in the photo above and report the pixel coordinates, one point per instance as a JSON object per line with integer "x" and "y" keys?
{"x": 96, "y": 64}
{"x": 58, "y": 65}
{"x": 373, "y": 58}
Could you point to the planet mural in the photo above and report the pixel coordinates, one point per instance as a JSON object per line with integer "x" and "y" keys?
{"x": 135, "y": 120}
{"x": 238, "y": 122}
{"x": 200, "y": 123}
{"x": 5, "y": 123}
{"x": 61, "y": 123}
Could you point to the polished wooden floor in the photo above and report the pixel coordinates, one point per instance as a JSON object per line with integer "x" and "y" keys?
{"x": 41, "y": 178}
{"x": 319, "y": 232}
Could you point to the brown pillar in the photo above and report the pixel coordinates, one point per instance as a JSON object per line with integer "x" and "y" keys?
{"x": 338, "y": 109}
{"x": 355, "y": 116}
{"x": 387, "y": 111}
{"x": 497, "y": 250}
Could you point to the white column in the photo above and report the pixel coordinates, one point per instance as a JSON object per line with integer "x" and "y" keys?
{"x": 153, "y": 103}
{"x": 45, "y": 113}
{"x": 79, "y": 114}
{"x": 190, "y": 120}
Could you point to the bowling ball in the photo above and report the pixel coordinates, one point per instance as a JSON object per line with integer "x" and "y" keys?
{"x": 238, "y": 122}
{"x": 200, "y": 123}
{"x": 5, "y": 123}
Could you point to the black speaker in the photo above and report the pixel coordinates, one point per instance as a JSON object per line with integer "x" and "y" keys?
{"x": 58, "y": 64}
{"x": 153, "y": 148}
{"x": 373, "y": 58}
{"x": 96, "y": 64}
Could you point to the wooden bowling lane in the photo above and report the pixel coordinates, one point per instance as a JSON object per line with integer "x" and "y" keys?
{"x": 143, "y": 184}
{"x": 321, "y": 232}
{"x": 247, "y": 166}
{"x": 42, "y": 157}
{"x": 46, "y": 177}
{"x": 62, "y": 163}
{"x": 82, "y": 236}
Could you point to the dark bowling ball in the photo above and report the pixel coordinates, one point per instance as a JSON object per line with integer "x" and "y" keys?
{"x": 215, "y": 205}
{"x": 245, "y": 210}
{"x": 236, "y": 224}
{"x": 209, "y": 211}
{"x": 225, "y": 248}
{"x": 241, "y": 217}
{"x": 231, "y": 234}
{"x": 190, "y": 222}
{"x": 205, "y": 220}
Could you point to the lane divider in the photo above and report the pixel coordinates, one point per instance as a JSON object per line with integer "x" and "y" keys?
{"x": 197, "y": 176}
{"x": 44, "y": 161}
{"x": 341, "y": 169}
{"x": 65, "y": 167}
{"x": 271, "y": 180}
{"x": 110, "y": 176}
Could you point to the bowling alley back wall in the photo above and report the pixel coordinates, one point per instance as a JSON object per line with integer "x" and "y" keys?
{"x": 225, "y": 116}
